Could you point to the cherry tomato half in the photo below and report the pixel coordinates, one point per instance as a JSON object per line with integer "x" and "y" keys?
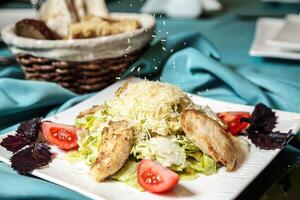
{"x": 155, "y": 178}
{"x": 233, "y": 121}
{"x": 61, "y": 135}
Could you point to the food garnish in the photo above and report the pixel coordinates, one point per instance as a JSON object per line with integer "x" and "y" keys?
{"x": 155, "y": 178}
{"x": 262, "y": 123}
{"x": 35, "y": 156}
{"x": 262, "y": 119}
{"x": 233, "y": 121}
{"x": 61, "y": 135}
{"x": 14, "y": 143}
{"x": 29, "y": 129}
{"x": 29, "y": 152}
{"x": 27, "y": 133}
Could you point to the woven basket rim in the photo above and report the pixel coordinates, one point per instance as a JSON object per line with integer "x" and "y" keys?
{"x": 9, "y": 36}
{"x": 75, "y": 77}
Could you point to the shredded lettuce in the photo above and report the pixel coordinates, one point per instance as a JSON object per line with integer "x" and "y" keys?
{"x": 87, "y": 151}
{"x": 128, "y": 174}
{"x": 162, "y": 149}
{"x": 89, "y": 140}
{"x": 197, "y": 162}
{"x": 178, "y": 154}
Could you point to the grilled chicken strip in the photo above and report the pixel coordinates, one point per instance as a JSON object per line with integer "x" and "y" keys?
{"x": 114, "y": 150}
{"x": 212, "y": 139}
{"x": 90, "y": 111}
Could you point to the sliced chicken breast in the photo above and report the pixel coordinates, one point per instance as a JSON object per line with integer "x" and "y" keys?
{"x": 114, "y": 150}
{"x": 212, "y": 139}
{"x": 90, "y": 111}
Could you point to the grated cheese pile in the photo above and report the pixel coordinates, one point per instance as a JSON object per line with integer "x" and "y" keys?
{"x": 153, "y": 108}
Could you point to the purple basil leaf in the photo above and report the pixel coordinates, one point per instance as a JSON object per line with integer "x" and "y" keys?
{"x": 273, "y": 140}
{"x": 35, "y": 156}
{"x": 263, "y": 119}
{"x": 14, "y": 143}
{"x": 263, "y": 141}
{"x": 260, "y": 132}
{"x": 29, "y": 129}
{"x": 281, "y": 138}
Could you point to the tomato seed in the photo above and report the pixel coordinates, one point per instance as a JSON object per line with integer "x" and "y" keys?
{"x": 158, "y": 178}
{"x": 148, "y": 180}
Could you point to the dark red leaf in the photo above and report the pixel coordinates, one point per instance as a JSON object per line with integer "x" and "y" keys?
{"x": 29, "y": 129}
{"x": 35, "y": 156}
{"x": 260, "y": 131}
{"x": 263, "y": 119}
{"x": 14, "y": 143}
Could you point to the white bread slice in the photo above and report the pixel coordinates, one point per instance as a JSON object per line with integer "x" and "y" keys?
{"x": 97, "y": 7}
{"x": 80, "y": 8}
{"x": 58, "y": 15}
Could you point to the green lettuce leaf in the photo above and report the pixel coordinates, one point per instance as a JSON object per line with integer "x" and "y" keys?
{"x": 128, "y": 174}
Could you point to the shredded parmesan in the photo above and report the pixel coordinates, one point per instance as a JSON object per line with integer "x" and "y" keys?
{"x": 152, "y": 107}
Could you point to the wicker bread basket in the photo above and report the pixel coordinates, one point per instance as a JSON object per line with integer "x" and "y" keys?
{"x": 83, "y": 65}
{"x": 79, "y": 77}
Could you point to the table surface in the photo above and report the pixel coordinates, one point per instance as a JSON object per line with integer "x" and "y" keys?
{"x": 231, "y": 31}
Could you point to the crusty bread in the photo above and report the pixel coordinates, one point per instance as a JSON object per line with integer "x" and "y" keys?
{"x": 58, "y": 15}
{"x": 93, "y": 26}
{"x": 97, "y": 8}
{"x": 35, "y": 29}
{"x": 80, "y": 8}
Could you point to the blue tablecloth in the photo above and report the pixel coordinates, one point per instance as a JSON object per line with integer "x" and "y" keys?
{"x": 236, "y": 78}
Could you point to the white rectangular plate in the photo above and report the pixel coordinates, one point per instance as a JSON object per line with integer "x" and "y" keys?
{"x": 282, "y": 1}
{"x": 288, "y": 36}
{"x": 266, "y": 29}
{"x": 223, "y": 185}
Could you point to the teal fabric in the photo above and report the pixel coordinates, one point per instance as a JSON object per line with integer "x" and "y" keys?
{"x": 221, "y": 71}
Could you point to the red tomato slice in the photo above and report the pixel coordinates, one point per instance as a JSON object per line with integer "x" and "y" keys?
{"x": 155, "y": 178}
{"x": 61, "y": 135}
{"x": 233, "y": 121}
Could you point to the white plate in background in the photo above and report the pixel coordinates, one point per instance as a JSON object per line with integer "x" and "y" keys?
{"x": 223, "y": 185}
{"x": 266, "y": 29}
{"x": 281, "y": 1}
{"x": 288, "y": 37}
